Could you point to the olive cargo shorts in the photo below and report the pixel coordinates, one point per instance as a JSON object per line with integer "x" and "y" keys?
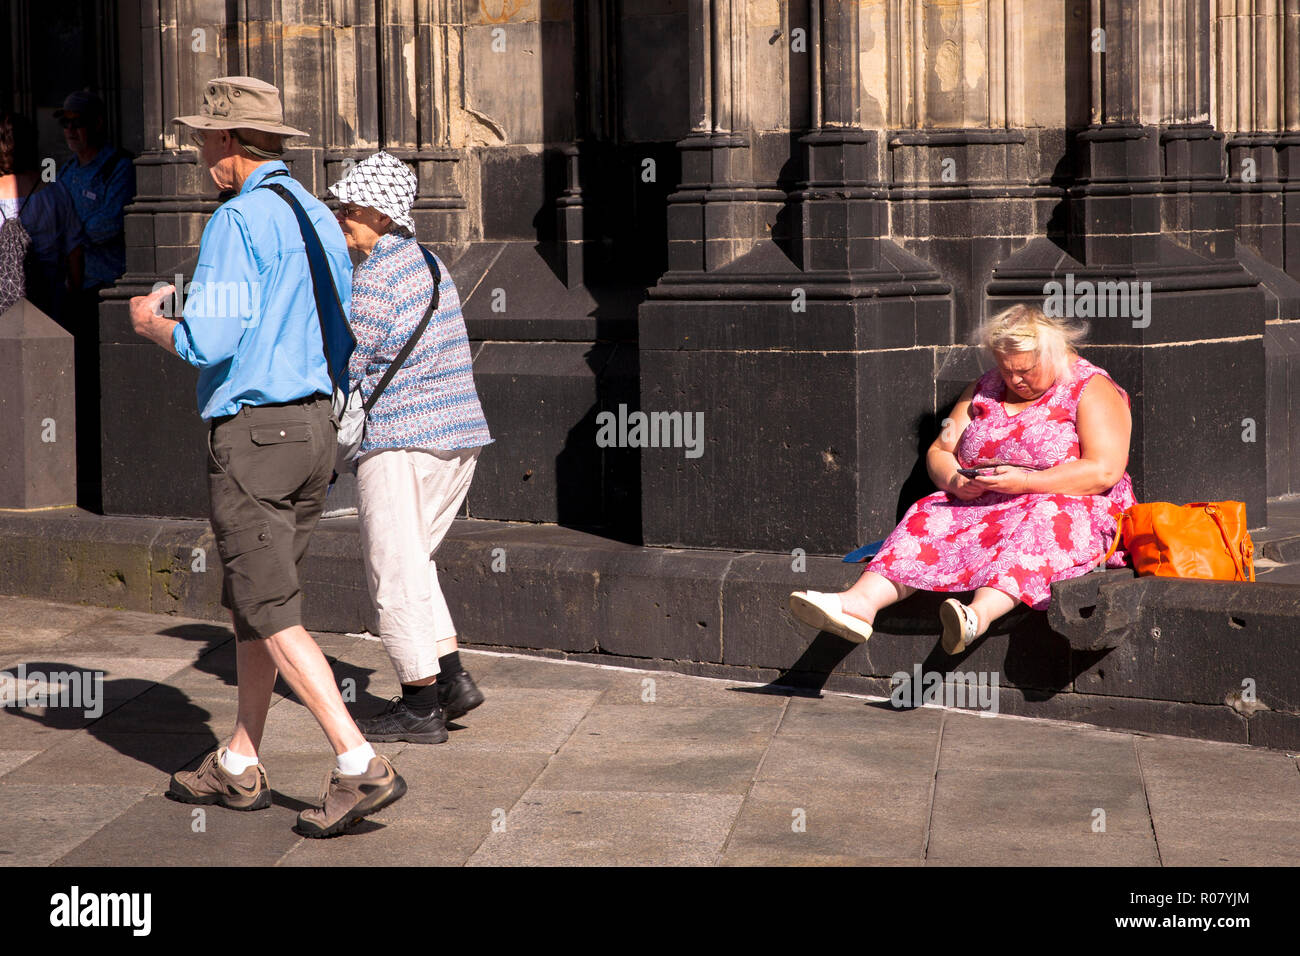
{"x": 269, "y": 467}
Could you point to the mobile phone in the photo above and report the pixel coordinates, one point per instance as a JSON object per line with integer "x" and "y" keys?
{"x": 977, "y": 472}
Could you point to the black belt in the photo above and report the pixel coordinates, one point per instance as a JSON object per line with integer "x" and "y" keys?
{"x": 306, "y": 400}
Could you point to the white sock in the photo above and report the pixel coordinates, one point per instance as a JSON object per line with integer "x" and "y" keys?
{"x": 355, "y": 761}
{"x": 235, "y": 764}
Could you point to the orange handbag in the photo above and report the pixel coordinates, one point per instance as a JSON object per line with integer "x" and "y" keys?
{"x": 1205, "y": 539}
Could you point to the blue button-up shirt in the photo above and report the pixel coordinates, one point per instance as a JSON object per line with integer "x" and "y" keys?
{"x": 99, "y": 201}
{"x": 250, "y": 322}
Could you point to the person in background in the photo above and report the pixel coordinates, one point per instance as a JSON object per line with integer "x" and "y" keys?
{"x": 100, "y": 178}
{"x": 53, "y": 257}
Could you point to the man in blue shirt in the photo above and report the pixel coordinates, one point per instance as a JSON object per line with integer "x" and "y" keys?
{"x": 100, "y": 178}
{"x": 251, "y": 327}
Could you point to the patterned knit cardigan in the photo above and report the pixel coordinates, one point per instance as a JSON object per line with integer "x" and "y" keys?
{"x": 431, "y": 402}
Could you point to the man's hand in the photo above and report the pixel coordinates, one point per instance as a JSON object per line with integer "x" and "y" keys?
{"x": 146, "y": 321}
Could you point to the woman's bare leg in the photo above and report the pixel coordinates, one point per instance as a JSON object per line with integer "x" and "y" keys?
{"x": 989, "y": 604}
{"x": 872, "y": 592}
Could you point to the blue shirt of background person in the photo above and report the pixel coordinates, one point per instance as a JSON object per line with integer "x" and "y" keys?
{"x": 100, "y": 194}
{"x": 250, "y": 323}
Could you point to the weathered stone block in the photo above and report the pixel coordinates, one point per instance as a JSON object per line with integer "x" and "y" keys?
{"x": 1206, "y": 642}
{"x": 155, "y": 443}
{"x": 541, "y": 401}
{"x": 38, "y": 429}
{"x": 663, "y": 604}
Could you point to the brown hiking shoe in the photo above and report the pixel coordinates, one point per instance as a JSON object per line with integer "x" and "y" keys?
{"x": 212, "y": 783}
{"x": 347, "y": 799}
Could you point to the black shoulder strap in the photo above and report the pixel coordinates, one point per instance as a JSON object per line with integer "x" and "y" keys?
{"x": 321, "y": 276}
{"x": 403, "y": 355}
{"x": 315, "y": 255}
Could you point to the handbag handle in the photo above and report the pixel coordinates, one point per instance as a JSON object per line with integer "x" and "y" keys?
{"x": 1119, "y": 530}
{"x": 1247, "y": 550}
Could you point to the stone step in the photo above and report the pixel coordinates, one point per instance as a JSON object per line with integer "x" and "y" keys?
{"x": 1206, "y": 659}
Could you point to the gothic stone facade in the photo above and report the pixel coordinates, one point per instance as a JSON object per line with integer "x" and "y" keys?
{"x": 787, "y": 216}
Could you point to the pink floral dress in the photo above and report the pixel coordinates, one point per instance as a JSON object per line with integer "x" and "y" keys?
{"x": 1019, "y": 544}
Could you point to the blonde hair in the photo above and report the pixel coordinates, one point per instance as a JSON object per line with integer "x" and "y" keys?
{"x": 1025, "y": 328}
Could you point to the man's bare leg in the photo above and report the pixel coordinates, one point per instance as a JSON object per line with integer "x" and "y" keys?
{"x": 256, "y": 675}
{"x": 295, "y": 655}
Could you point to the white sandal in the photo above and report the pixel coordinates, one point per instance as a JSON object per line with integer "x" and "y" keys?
{"x": 960, "y": 625}
{"x": 826, "y": 613}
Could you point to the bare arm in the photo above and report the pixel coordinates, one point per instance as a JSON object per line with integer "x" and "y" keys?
{"x": 941, "y": 458}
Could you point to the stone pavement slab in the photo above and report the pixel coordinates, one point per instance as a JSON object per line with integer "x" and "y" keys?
{"x": 136, "y": 634}
{"x": 521, "y": 719}
{"x": 971, "y": 743}
{"x": 157, "y": 831}
{"x": 586, "y": 828}
{"x": 1220, "y": 804}
{"x": 41, "y": 822}
{"x": 137, "y": 760}
{"x": 995, "y": 817}
{"x": 674, "y": 690}
{"x": 382, "y": 840}
{"x": 799, "y": 823}
{"x": 577, "y": 764}
{"x": 28, "y": 625}
{"x": 671, "y": 766}
{"x": 836, "y": 716}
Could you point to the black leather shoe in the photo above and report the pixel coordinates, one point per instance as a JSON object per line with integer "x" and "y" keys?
{"x": 399, "y": 722}
{"x": 459, "y": 696}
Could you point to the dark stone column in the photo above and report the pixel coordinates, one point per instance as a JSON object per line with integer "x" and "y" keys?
{"x": 711, "y": 217}
{"x": 414, "y": 59}
{"x": 800, "y": 352}
{"x": 841, "y": 213}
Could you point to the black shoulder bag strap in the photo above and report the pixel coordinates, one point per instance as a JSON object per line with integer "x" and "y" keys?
{"x": 403, "y": 355}
{"x": 316, "y": 259}
{"x": 321, "y": 277}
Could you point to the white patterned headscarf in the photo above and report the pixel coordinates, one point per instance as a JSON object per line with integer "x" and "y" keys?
{"x": 381, "y": 182}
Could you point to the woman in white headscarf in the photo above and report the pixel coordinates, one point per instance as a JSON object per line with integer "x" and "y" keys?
{"x": 423, "y": 437}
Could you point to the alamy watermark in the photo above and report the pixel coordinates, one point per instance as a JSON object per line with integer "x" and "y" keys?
{"x": 1086, "y": 299}
{"x": 976, "y": 690}
{"x": 651, "y": 430}
{"x": 75, "y": 909}
{"x": 75, "y": 689}
{"x": 212, "y": 300}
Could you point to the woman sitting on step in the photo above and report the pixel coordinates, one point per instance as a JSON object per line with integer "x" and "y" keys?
{"x": 1032, "y": 482}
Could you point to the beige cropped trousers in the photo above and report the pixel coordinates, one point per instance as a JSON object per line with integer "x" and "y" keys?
{"x": 408, "y": 498}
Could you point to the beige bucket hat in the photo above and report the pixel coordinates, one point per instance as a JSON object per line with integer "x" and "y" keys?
{"x": 240, "y": 102}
